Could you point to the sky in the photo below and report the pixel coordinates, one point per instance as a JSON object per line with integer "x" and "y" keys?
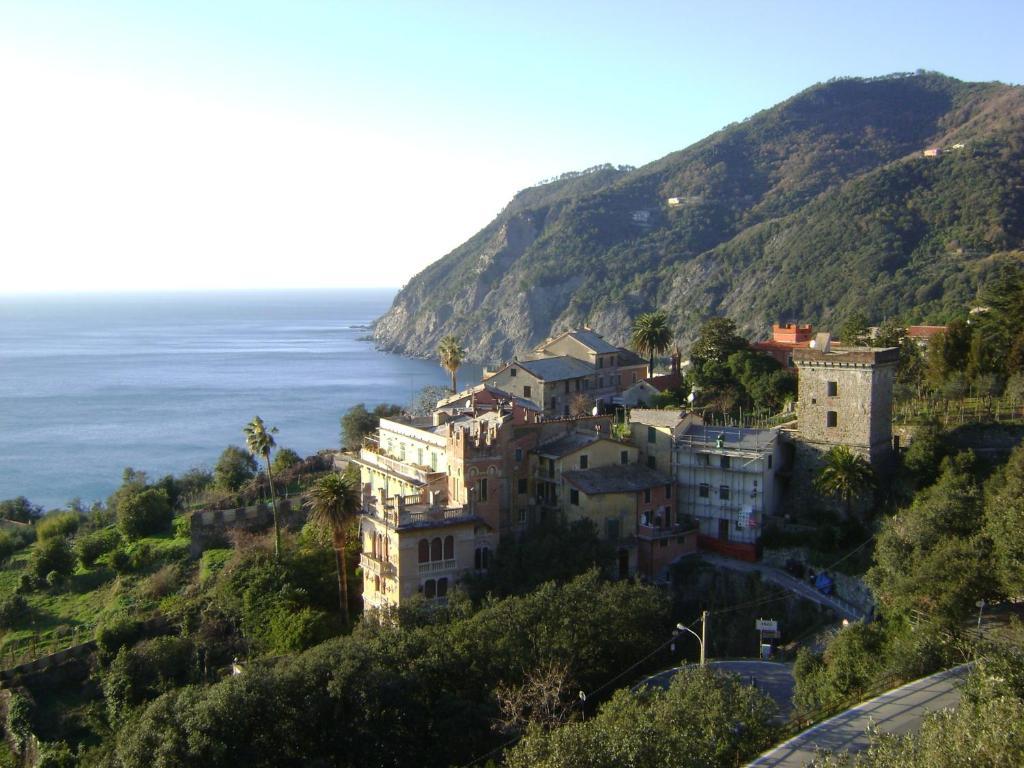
{"x": 312, "y": 144}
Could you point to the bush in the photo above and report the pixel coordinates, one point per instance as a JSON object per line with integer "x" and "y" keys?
{"x": 143, "y": 672}
{"x": 12, "y": 610}
{"x": 54, "y": 579}
{"x": 120, "y": 561}
{"x": 144, "y": 513}
{"x": 163, "y": 582}
{"x": 211, "y": 563}
{"x": 114, "y": 634}
{"x": 58, "y": 524}
{"x": 52, "y": 555}
{"x": 182, "y": 526}
{"x": 89, "y": 548}
{"x": 25, "y": 584}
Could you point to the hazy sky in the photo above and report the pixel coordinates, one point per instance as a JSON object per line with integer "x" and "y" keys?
{"x": 254, "y": 144}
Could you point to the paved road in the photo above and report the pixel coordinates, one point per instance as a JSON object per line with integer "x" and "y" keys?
{"x": 771, "y": 677}
{"x": 783, "y": 579}
{"x": 899, "y": 711}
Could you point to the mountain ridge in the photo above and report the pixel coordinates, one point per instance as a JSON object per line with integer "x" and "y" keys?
{"x": 806, "y": 210}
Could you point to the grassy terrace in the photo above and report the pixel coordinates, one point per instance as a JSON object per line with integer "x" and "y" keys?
{"x": 57, "y": 617}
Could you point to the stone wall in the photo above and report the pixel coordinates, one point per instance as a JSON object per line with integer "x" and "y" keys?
{"x": 849, "y": 589}
{"x": 209, "y": 528}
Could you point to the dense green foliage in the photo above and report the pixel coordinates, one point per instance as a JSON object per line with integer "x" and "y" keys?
{"x": 358, "y": 422}
{"x": 52, "y": 555}
{"x": 985, "y": 730}
{"x": 144, "y": 513}
{"x": 20, "y": 510}
{"x": 415, "y": 694}
{"x": 549, "y": 551}
{"x": 284, "y": 459}
{"x": 234, "y": 467}
{"x": 57, "y": 524}
{"x": 703, "y": 719}
{"x": 811, "y": 210}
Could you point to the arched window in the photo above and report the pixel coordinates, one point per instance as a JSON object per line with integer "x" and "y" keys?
{"x": 424, "y": 551}
{"x": 435, "y": 550}
{"x": 478, "y": 559}
{"x": 449, "y": 547}
{"x": 442, "y": 587}
{"x": 486, "y": 558}
{"x": 430, "y": 589}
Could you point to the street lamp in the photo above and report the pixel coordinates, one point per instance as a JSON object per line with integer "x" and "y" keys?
{"x": 981, "y": 607}
{"x": 700, "y": 638}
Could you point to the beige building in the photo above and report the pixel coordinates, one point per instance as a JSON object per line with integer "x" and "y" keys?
{"x": 576, "y": 365}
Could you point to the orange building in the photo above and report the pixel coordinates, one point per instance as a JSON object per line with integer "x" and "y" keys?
{"x": 785, "y": 338}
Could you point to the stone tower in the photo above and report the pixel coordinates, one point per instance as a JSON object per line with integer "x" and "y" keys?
{"x": 845, "y": 398}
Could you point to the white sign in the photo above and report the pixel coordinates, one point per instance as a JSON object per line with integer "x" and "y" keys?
{"x": 766, "y": 625}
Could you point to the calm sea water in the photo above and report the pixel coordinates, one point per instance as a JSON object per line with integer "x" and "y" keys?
{"x": 163, "y": 382}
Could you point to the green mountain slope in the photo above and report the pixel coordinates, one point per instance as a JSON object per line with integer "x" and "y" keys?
{"x": 819, "y": 205}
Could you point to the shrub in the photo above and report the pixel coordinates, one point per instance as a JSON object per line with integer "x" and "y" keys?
{"x": 114, "y": 634}
{"x": 8, "y": 545}
{"x": 148, "y": 669}
{"x": 163, "y": 582}
{"x": 211, "y": 563}
{"x": 182, "y": 527}
{"x": 52, "y": 555}
{"x": 58, "y": 524}
{"x": 12, "y": 610}
{"x": 25, "y": 584}
{"x": 54, "y": 579}
{"x": 92, "y": 546}
{"x": 18, "y": 724}
{"x": 144, "y": 513}
{"x": 120, "y": 561}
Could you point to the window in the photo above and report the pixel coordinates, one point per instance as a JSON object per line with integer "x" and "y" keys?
{"x": 424, "y": 551}
{"x": 832, "y": 388}
{"x": 527, "y": 391}
{"x": 512, "y": 372}
{"x": 481, "y": 558}
{"x": 769, "y": 461}
{"x": 668, "y": 491}
{"x": 652, "y": 462}
{"x": 522, "y": 514}
{"x": 521, "y": 485}
{"x": 584, "y": 461}
{"x": 574, "y": 497}
{"x": 652, "y": 435}
{"x": 703, "y": 460}
{"x": 704, "y": 490}
{"x": 430, "y": 589}
{"x": 831, "y": 418}
{"x": 433, "y": 461}
{"x": 442, "y": 587}
{"x": 723, "y": 492}
{"x": 436, "y": 550}
{"x": 600, "y": 362}
{"x": 567, "y": 386}
{"x": 647, "y": 495}
{"x": 482, "y": 486}
{"x": 724, "y": 462}
{"x": 554, "y": 403}
{"x": 600, "y": 381}
{"x": 634, "y": 378}
{"x": 577, "y": 385}
{"x": 419, "y": 456}
{"x": 449, "y": 547}
{"x": 623, "y": 457}
{"x": 664, "y": 542}
{"x": 612, "y": 528}
{"x": 519, "y": 454}
{"x": 565, "y": 410}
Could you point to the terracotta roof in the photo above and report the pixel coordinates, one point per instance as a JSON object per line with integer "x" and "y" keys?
{"x": 666, "y": 381}
{"x": 925, "y": 331}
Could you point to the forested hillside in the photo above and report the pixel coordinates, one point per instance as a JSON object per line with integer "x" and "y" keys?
{"x": 819, "y": 205}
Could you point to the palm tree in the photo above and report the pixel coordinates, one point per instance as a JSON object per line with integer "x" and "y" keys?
{"x": 333, "y": 504}
{"x": 451, "y": 355}
{"x": 260, "y": 441}
{"x": 846, "y": 476}
{"x": 651, "y": 335}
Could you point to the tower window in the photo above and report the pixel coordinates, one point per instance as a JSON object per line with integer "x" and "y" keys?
{"x": 833, "y": 388}
{"x": 831, "y": 418}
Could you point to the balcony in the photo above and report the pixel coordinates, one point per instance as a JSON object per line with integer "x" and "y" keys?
{"x": 413, "y": 472}
{"x": 408, "y": 512}
{"x": 376, "y": 566}
{"x": 438, "y": 566}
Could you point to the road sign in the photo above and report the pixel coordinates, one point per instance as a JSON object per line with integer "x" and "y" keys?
{"x": 766, "y": 625}
{"x": 771, "y": 634}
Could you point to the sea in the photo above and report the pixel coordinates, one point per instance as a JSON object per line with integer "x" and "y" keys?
{"x": 163, "y": 382}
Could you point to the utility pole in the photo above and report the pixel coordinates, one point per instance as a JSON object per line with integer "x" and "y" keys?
{"x": 703, "y": 634}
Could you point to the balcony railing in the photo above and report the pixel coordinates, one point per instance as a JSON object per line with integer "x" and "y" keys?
{"x": 376, "y": 566}
{"x": 438, "y": 566}
{"x": 404, "y": 468}
{"x": 410, "y": 511}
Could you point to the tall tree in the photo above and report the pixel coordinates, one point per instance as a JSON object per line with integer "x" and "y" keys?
{"x": 651, "y": 336}
{"x": 451, "y": 355}
{"x": 260, "y": 442}
{"x": 846, "y": 476}
{"x": 709, "y": 354}
{"x": 333, "y": 504}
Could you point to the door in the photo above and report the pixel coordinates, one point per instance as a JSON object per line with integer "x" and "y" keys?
{"x": 723, "y": 530}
